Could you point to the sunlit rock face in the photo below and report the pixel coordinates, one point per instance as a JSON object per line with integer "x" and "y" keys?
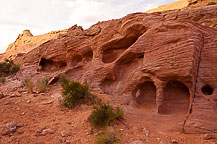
{"x": 180, "y": 4}
{"x": 26, "y": 42}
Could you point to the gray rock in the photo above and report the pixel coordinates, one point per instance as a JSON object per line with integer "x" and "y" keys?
{"x": 146, "y": 131}
{"x": 9, "y": 128}
{"x": 56, "y": 95}
{"x": 91, "y": 131}
{"x": 37, "y": 134}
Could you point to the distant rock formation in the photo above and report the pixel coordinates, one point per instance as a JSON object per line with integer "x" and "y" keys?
{"x": 25, "y": 42}
{"x": 196, "y": 3}
{"x": 183, "y": 4}
{"x": 175, "y": 5}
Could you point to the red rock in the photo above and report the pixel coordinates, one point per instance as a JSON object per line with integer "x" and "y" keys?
{"x": 163, "y": 62}
{"x": 207, "y": 136}
{"x": 1, "y": 95}
{"x": 65, "y": 133}
{"x": 44, "y": 132}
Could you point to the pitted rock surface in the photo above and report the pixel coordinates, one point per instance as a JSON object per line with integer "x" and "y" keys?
{"x": 163, "y": 63}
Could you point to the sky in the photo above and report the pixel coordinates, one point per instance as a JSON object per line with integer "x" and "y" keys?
{"x": 43, "y": 16}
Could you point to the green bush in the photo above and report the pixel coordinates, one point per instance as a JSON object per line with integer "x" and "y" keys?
{"x": 29, "y": 85}
{"x": 74, "y": 92}
{"x": 8, "y": 67}
{"x": 42, "y": 85}
{"x": 211, "y": 3}
{"x": 106, "y": 138}
{"x": 103, "y": 114}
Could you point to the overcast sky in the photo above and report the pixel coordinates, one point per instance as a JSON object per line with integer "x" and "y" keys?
{"x": 42, "y": 16}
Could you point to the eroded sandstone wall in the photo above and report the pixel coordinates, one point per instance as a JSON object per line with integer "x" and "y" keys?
{"x": 158, "y": 62}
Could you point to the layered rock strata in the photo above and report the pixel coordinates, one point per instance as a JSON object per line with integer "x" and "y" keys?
{"x": 163, "y": 62}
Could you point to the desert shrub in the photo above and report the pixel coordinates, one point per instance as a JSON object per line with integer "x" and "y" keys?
{"x": 29, "y": 85}
{"x": 106, "y": 138}
{"x": 8, "y": 67}
{"x": 74, "y": 92}
{"x": 103, "y": 114}
{"x": 42, "y": 85}
{"x": 211, "y": 3}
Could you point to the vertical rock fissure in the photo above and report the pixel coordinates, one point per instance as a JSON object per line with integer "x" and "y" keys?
{"x": 195, "y": 85}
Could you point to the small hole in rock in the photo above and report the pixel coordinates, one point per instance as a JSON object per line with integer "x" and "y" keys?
{"x": 207, "y": 90}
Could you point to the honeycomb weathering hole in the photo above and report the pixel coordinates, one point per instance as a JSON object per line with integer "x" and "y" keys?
{"x": 207, "y": 90}
{"x": 116, "y": 48}
{"x": 111, "y": 55}
{"x": 50, "y": 66}
{"x": 146, "y": 95}
{"x": 176, "y": 99}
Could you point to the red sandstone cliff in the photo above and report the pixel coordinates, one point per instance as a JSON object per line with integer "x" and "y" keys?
{"x": 159, "y": 62}
{"x": 160, "y": 67}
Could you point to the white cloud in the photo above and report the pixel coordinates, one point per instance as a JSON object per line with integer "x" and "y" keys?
{"x": 42, "y": 16}
{"x": 85, "y": 12}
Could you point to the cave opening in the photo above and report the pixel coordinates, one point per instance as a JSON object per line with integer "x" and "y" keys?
{"x": 146, "y": 95}
{"x": 176, "y": 98}
{"x": 50, "y": 65}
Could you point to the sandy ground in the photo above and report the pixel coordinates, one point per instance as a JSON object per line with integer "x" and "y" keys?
{"x": 40, "y": 119}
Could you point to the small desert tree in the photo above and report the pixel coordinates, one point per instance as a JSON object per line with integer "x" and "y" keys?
{"x": 74, "y": 92}
{"x": 103, "y": 114}
{"x": 8, "y": 67}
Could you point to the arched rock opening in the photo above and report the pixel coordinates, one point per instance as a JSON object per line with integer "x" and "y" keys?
{"x": 146, "y": 95}
{"x": 176, "y": 98}
{"x": 50, "y": 66}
